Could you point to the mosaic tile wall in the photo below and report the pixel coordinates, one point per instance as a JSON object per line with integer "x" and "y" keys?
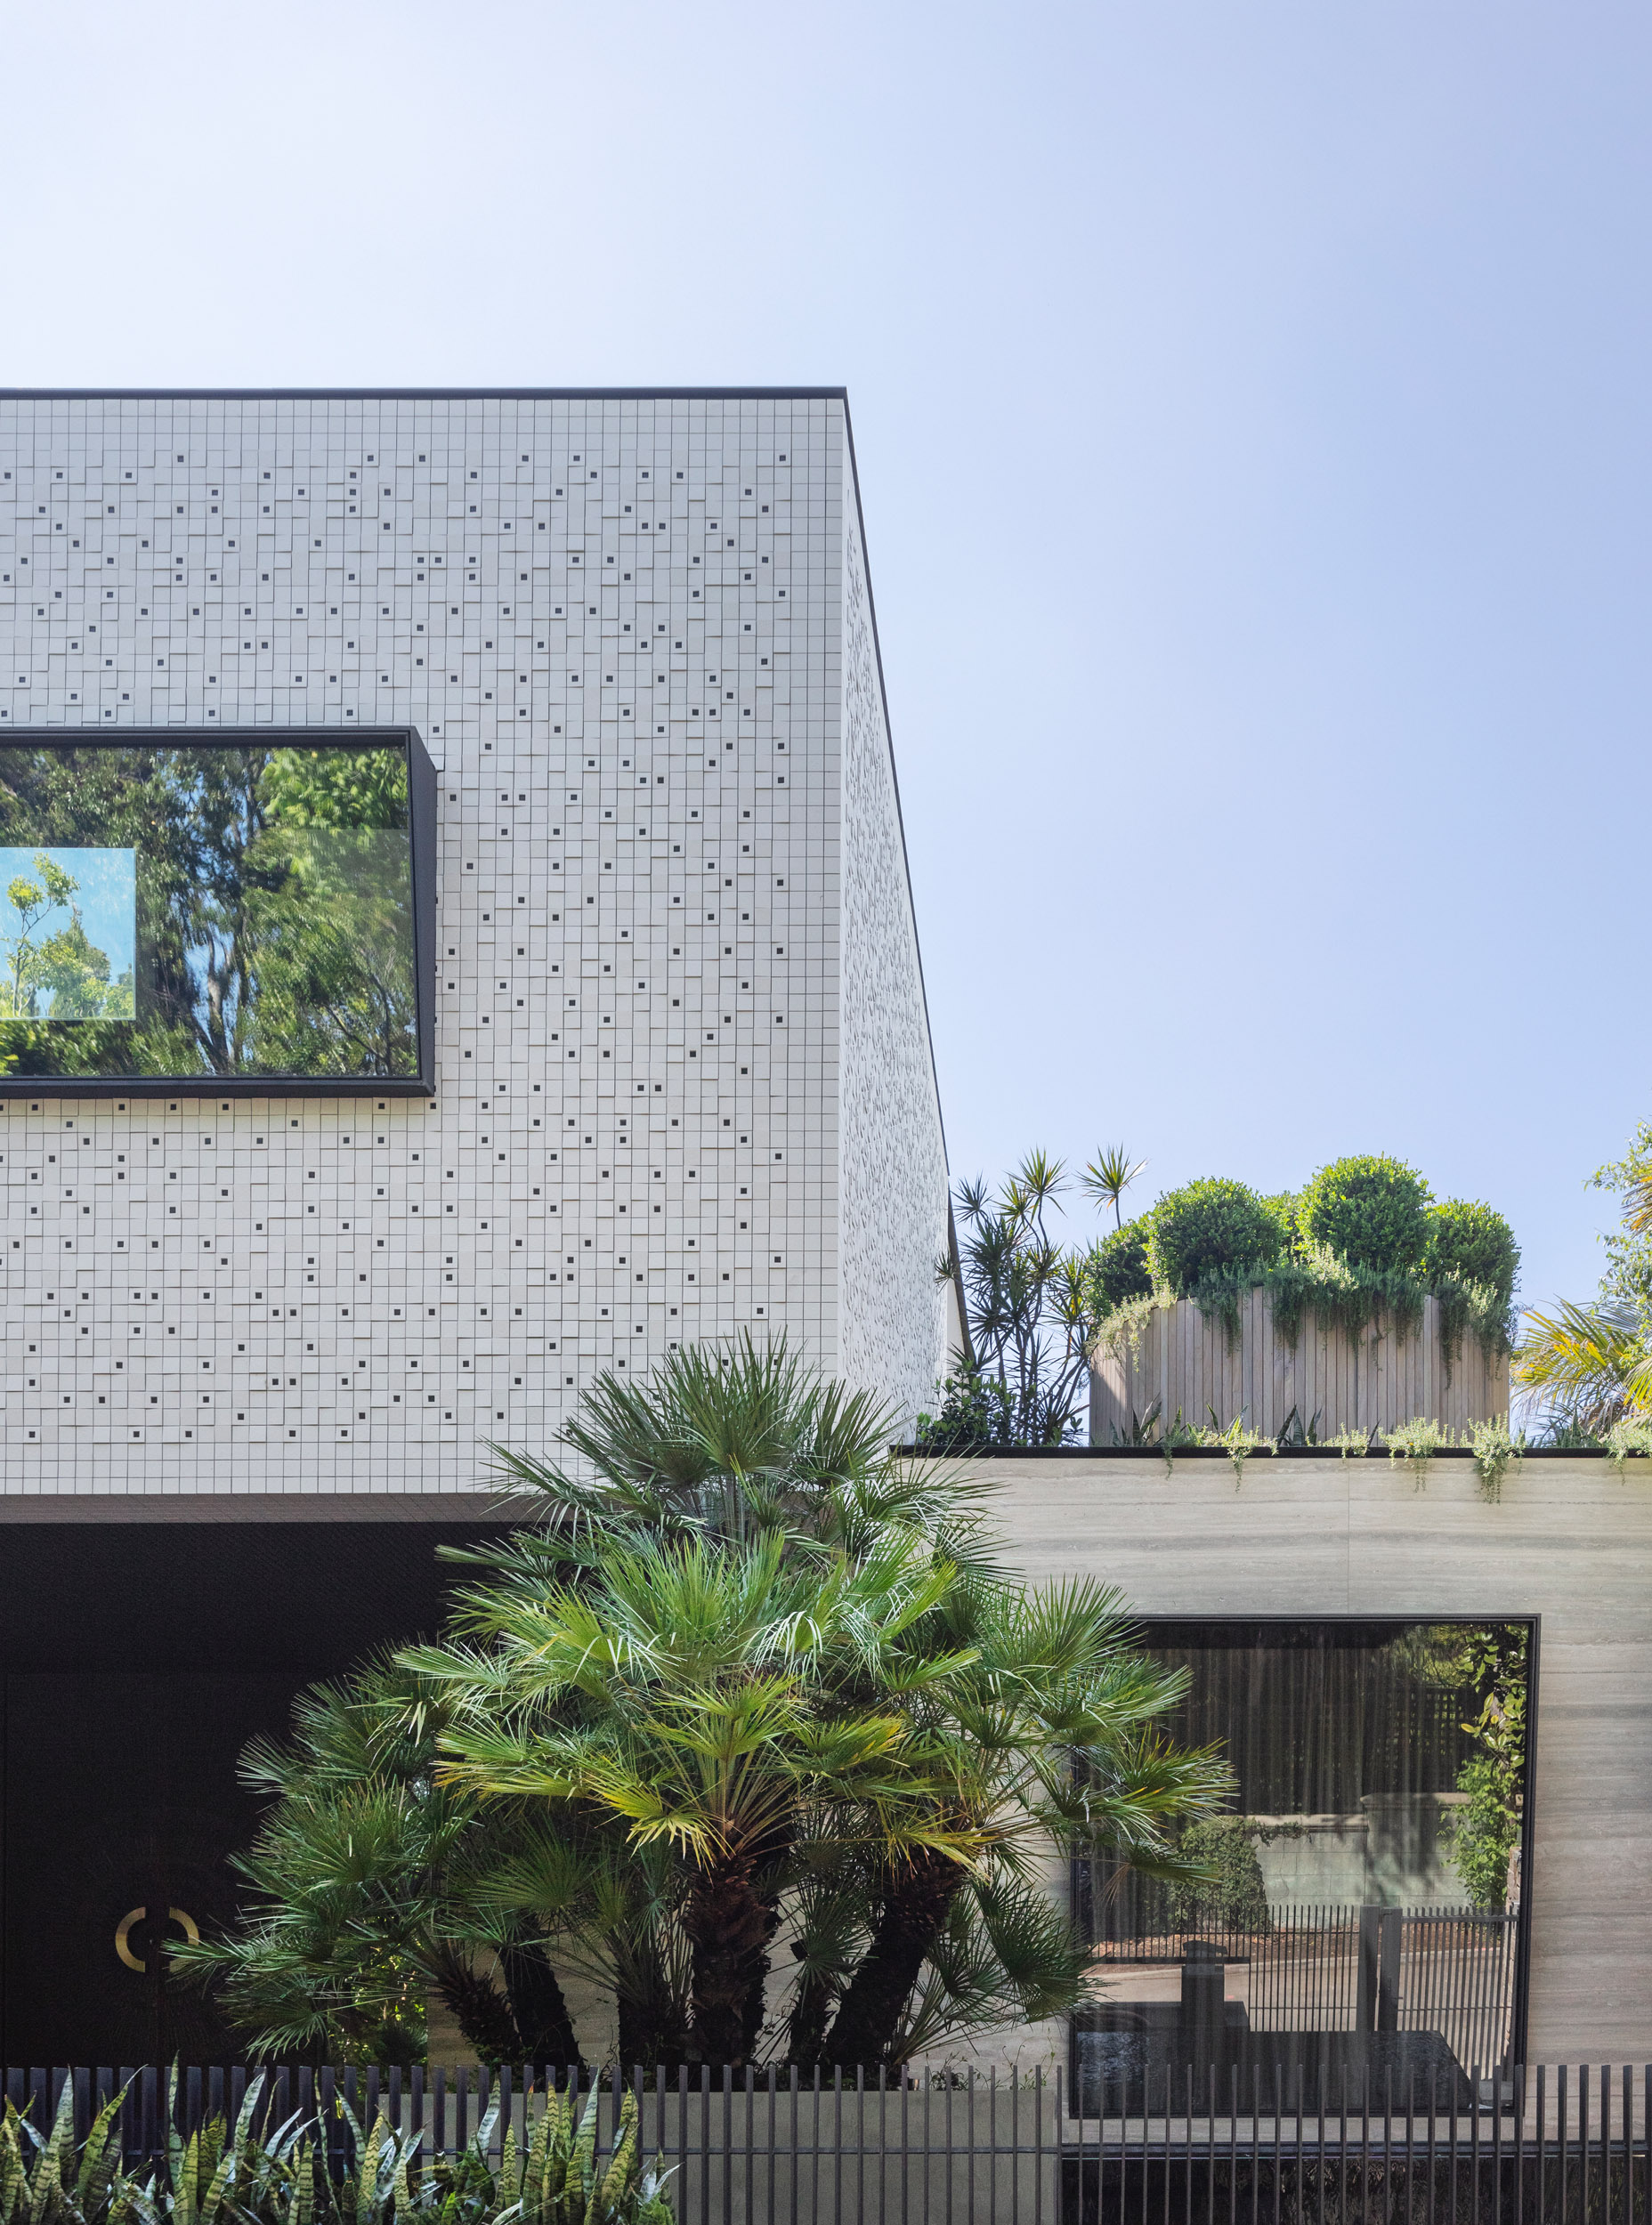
{"x": 635, "y": 637}
{"x": 892, "y": 1158}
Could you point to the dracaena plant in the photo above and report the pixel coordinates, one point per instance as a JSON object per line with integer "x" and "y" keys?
{"x": 1031, "y": 1310}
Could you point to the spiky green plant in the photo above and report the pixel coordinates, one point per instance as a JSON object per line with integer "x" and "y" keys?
{"x": 1109, "y": 1174}
{"x": 225, "y": 2175}
{"x": 44, "y": 2181}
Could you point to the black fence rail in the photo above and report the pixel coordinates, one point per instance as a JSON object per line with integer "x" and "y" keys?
{"x": 1179, "y": 2145}
{"x": 1566, "y": 2146}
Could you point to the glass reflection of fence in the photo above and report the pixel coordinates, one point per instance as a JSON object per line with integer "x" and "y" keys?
{"x": 1346, "y": 1969}
{"x": 1457, "y": 1978}
{"x": 1305, "y": 1973}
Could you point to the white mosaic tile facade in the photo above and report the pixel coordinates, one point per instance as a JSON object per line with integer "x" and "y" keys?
{"x": 892, "y": 1159}
{"x": 685, "y": 1084}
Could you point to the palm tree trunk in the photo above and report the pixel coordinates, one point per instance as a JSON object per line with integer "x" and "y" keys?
{"x": 756, "y": 1978}
{"x": 869, "y": 2015}
{"x": 728, "y": 1927}
{"x": 482, "y": 2012}
{"x": 649, "y": 2034}
{"x": 539, "y": 2008}
{"x": 805, "y": 2031}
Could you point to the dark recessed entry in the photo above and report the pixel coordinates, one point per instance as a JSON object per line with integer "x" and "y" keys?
{"x": 136, "y": 1659}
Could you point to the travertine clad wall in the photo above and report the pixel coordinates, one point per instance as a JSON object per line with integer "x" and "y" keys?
{"x": 1570, "y": 1541}
{"x": 679, "y": 1095}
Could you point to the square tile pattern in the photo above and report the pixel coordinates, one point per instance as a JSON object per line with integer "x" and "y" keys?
{"x": 684, "y": 1077}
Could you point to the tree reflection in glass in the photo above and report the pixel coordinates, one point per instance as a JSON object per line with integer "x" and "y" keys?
{"x": 271, "y": 907}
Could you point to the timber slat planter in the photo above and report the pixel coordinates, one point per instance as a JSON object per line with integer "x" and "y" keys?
{"x": 1377, "y": 1379}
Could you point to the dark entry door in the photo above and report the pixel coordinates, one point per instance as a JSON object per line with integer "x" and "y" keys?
{"x": 121, "y": 1806}
{"x": 137, "y": 1658}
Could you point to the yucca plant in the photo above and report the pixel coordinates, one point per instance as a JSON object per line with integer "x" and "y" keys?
{"x": 1032, "y": 1309}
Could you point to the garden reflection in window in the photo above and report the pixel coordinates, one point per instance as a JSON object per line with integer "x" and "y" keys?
{"x": 1356, "y": 1913}
{"x": 205, "y": 911}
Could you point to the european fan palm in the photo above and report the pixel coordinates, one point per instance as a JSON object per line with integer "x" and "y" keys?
{"x": 1000, "y": 1694}
{"x": 1048, "y": 1717}
{"x": 368, "y": 1878}
{"x": 726, "y": 1442}
{"x": 700, "y": 1699}
{"x": 754, "y": 1683}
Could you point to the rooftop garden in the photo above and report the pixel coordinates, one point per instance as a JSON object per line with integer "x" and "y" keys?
{"x": 1360, "y": 1248}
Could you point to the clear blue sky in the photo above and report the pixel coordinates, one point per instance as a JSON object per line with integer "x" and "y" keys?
{"x": 1252, "y": 405}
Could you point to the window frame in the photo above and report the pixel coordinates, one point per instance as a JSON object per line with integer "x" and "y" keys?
{"x": 1145, "y": 1623}
{"x": 422, "y": 844}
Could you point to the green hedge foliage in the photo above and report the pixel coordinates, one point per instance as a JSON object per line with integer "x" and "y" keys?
{"x": 1368, "y": 1211}
{"x": 1121, "y": 1270}
{"x": 1471, "y": 1243}
{"x": 1206, "y": 1228}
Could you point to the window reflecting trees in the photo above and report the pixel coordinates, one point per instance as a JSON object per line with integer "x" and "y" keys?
{"x": 207, "y": 912}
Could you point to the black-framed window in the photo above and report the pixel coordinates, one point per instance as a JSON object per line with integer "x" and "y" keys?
{"x": 1364, "y": 1904}
{"x": 222, "y": 911}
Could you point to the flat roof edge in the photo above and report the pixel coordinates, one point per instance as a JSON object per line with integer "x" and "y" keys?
{"x": 424, "y": 393}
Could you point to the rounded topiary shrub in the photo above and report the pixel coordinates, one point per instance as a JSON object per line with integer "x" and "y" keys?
{"x": 1283, "y": 1209}
{"x": 1121, "y": 1265}
{"x": 1471, "y": 1240}
{"x": 1208, "y": 1227}
{"x": 1369, "y": 1209}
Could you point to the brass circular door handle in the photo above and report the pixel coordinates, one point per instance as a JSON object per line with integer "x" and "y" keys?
{"x": 123, "y": 1934}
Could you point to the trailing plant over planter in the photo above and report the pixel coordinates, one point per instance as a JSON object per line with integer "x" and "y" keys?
{"x": 1352, "y": 1300}
{"x": 1353, "y": 1444}
{"x": 1237, "y": 1441}
{"x": 1495, "y": 1451}
{"x": 1470, "y": 1244}
{"x": 1624, "y": 1439}
{"x": 1414, "y": 1444}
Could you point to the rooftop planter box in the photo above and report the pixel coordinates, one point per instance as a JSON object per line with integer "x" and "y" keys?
{"x": 1195, "y": 1363}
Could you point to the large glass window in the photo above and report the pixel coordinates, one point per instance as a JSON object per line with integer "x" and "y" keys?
{"x": 1356, "y": 1913}
{"x": 211, "y": 912}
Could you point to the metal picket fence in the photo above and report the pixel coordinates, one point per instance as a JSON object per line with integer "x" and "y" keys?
{"x": 1179, "y": 2145}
